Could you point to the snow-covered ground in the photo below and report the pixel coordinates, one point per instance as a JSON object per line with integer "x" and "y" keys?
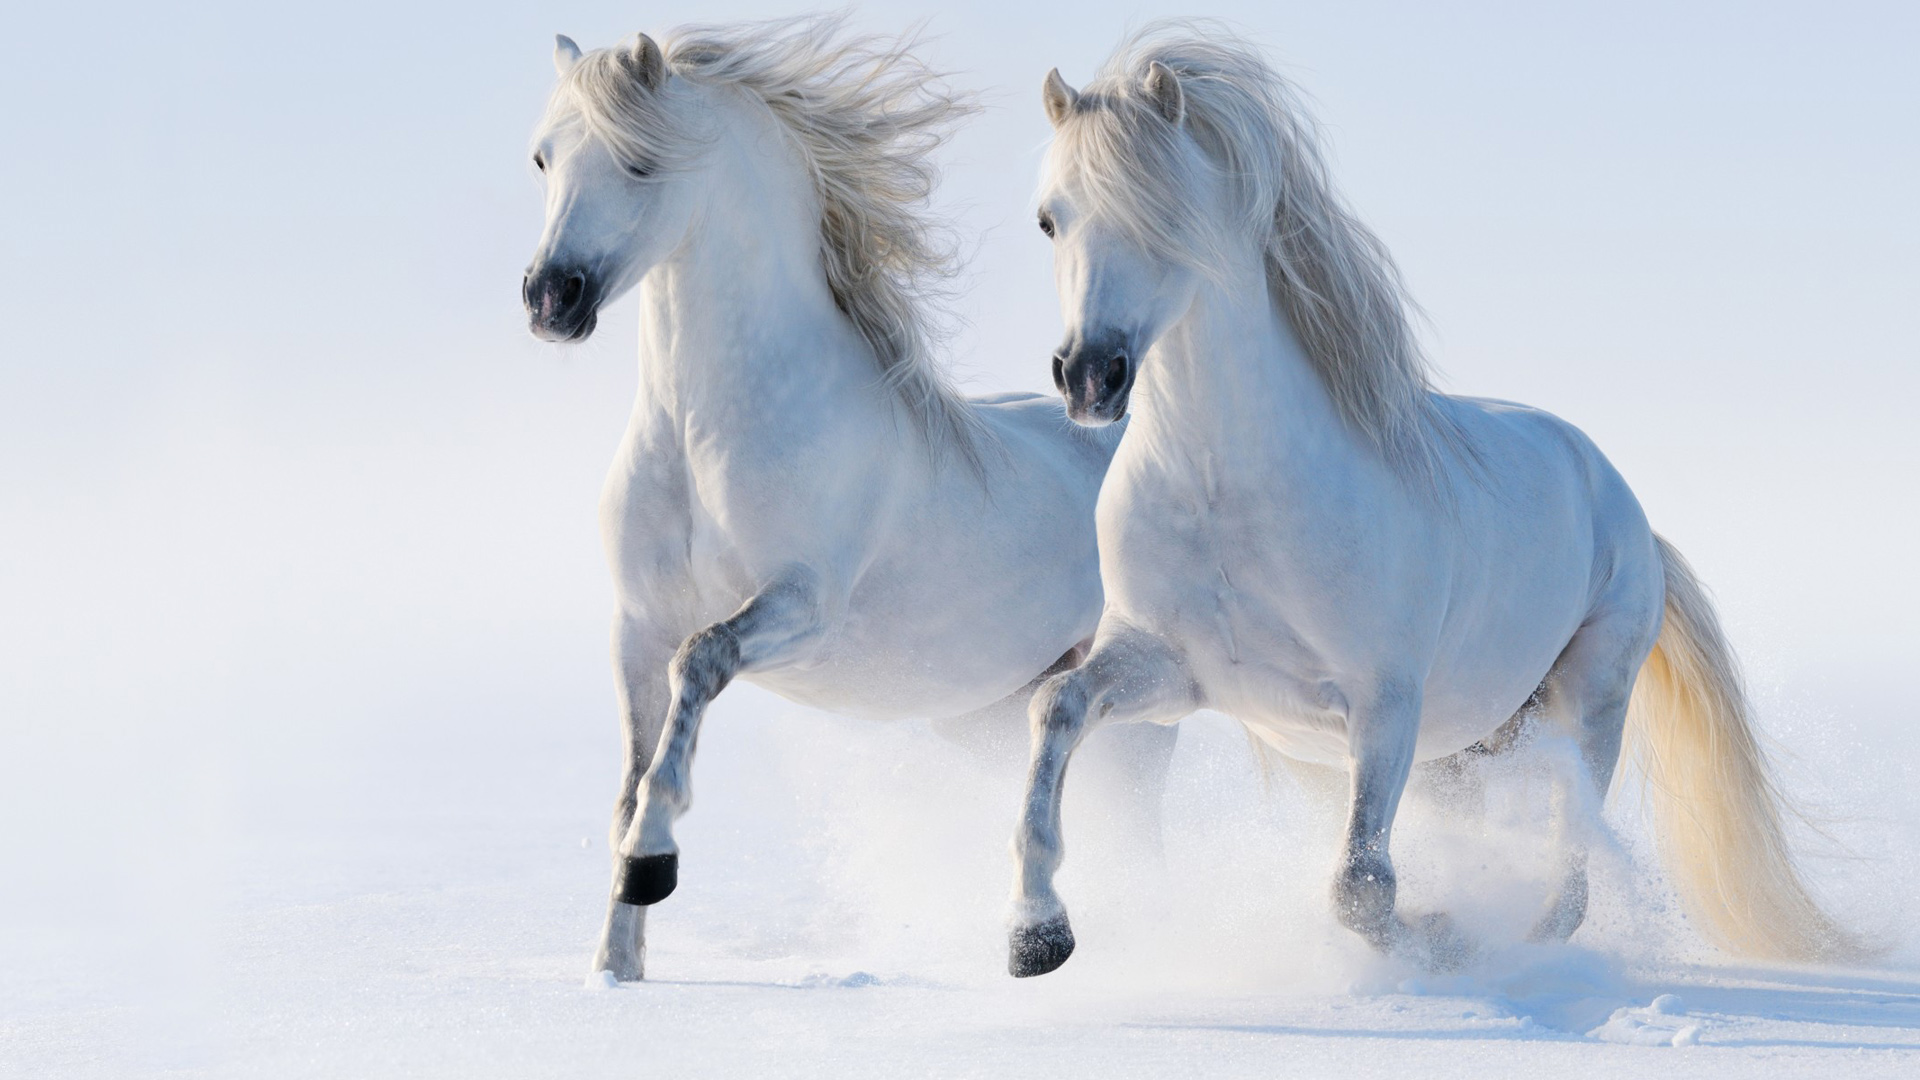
{"x": 306, "y": 735}
{"x": 400, "y": 904}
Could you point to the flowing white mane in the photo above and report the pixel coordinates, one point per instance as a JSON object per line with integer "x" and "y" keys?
{"x": 1331, "y": 276}
{"x": 866, "y": 116}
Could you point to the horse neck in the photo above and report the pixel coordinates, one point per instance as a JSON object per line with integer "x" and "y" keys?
{"x": 741, "y": 309}
{"x": 1231, "y": 378}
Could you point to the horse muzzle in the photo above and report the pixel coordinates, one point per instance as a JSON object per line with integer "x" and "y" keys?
{"x": 1096, "y": 380}
{"x": 562, "y": 303}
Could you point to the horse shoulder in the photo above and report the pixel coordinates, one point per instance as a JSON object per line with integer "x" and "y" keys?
{"x": 646, "y": 525}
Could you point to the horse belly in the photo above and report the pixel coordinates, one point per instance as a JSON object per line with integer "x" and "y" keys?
{"x": 868, "y": 681}
{"x": 1301, "y": 742}
{"x": 927, "y": 646}
{"x": 1493, "y": 658}
{"x": 967, "y": 599}
{"x": 1267, "y": 648}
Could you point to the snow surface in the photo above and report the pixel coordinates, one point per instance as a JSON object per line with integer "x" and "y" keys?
{"x": 401, "y": 905}
{"x": 304, "y": 703}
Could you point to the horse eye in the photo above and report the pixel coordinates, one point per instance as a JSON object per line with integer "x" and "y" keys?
{"x": 639, "y": 172}
{"x": 540, "y": 163}
{"x": 1046, "y": 224}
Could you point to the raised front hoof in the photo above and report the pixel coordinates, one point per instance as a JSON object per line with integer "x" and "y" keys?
{"x": 1040, "y": 948}
{"x": 647, "y": 879}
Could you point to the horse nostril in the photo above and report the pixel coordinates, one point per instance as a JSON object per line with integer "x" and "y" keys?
{"x": 1117, "y": 373}
{"x": 526, "y": 288}
{"x": 570, "y": 292}
{"x": 1059, "y": 374}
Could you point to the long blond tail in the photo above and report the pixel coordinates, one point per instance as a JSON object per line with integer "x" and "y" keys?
{"x": 1717, "y": 809}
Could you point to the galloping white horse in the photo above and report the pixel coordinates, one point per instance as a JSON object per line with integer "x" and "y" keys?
{"x": 800, "y": 498}
{"x": 1297, "y": 531}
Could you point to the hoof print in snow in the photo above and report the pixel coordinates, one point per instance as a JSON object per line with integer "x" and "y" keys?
{"x": 1664, "y": 1022}
{"x": 1038, "y": 949}
{"x": 648, "y": 879}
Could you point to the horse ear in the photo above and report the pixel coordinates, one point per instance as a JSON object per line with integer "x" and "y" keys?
{"x": 1059, "y": 97}
{"x": 647, "y": 63}
{"x": 1163, "y": 89}
{"x": 565, "y": 53}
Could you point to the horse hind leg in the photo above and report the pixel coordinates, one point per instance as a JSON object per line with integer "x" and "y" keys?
{"x": 1585, "y": 696}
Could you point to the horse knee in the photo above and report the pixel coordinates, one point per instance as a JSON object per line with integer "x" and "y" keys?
{"x": 705, "y": 662}
{"x": 1059, "y": 707}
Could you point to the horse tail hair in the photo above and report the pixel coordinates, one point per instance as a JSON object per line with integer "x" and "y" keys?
{"x": 1717, "y": 809}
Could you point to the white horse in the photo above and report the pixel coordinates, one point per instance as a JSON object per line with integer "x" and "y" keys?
{"x": 800, "y": 499}
{"x": 1297, "y": 531}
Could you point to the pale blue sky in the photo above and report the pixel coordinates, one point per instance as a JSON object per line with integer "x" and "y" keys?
{"x": 271, "y": 427}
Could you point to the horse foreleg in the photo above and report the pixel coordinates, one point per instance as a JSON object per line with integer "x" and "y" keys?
{"x": 773, "y": 628}
{"x": 1129, "y": 677}
{"x": 1381, "y": 733}
{"x": 640, "y": 661}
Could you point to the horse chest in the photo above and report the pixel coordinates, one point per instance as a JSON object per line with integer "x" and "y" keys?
{"x": 1249, "y": 591}
{"x": 672, "y": 559}
{"x": 1193, "y": 570}
{"x": 714, "y": 563}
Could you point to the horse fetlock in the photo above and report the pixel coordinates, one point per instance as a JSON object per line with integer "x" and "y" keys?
{"x": 664, "y": 796}
{"x": 650, "y": 835}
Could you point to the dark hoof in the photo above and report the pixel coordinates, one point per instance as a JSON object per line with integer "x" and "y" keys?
{"x": 1555, "y": 927}
{"x": 1036, "y": 950}
{"x": 1440, "y": 945}
{"x": 1564, "y": 915}
{"x": 648, "y": 879}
